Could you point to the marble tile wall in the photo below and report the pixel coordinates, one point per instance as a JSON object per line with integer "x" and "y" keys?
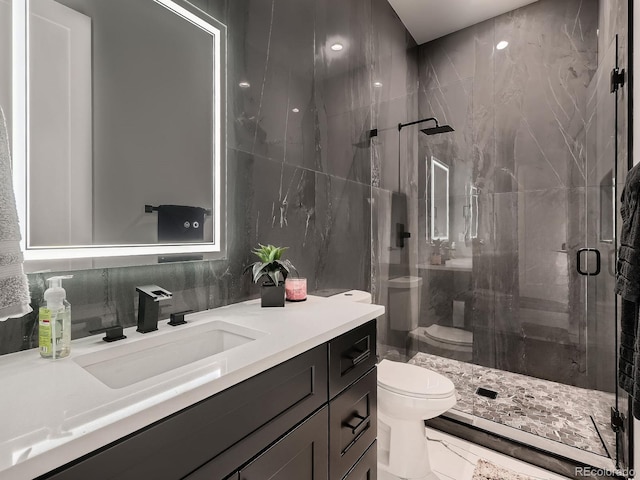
{"x": 525, "y": 134}
{"x": 309, "y": 180}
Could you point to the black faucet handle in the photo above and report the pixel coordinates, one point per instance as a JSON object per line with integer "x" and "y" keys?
{"x": 177, "y": 318}
{"x": 112, "y": 333}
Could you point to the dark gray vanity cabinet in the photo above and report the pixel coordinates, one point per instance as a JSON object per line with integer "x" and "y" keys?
{"x": 312, "y": 417}
{"x": 352, "y": 398}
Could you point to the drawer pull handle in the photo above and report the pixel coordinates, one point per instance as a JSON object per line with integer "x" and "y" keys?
{"x": 355, "y": 428}
{"x": 360, "y": 358}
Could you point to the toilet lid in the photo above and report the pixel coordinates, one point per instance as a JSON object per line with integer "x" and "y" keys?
{"x": 413, "y": 381}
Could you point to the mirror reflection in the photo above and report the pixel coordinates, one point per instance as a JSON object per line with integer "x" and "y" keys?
{"x": 471, "y": 212}
{"x": 122, "y": 112}
{"x": 439, "y": 200}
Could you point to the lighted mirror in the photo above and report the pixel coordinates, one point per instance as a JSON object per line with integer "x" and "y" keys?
{"x": 123, "y": 115}
{"x": 439, "y": 200}
{"x": 471, "y": 212}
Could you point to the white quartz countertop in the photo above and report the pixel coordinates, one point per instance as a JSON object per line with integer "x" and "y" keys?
{"x": 54, "y": 411}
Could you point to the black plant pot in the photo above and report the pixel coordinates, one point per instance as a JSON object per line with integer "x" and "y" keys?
{"x": 272, "y": 295}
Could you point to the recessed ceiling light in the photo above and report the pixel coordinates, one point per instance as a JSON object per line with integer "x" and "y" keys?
{"x": 502, "y": 45}
{"x": 244, "y": 84}
{"x": 336, "y": 47}
{"x": 377, "y": 84}
{"x": 295, "y": 110}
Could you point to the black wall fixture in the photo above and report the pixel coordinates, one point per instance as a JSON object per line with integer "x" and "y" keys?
{"x": 429, "y": 131}
{"x": 401, "y": 235}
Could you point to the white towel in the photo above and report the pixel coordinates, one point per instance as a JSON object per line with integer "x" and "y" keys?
{"x": 14, "y": 287}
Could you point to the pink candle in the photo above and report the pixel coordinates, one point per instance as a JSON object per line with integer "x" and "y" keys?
{"x": 296, "y": 289}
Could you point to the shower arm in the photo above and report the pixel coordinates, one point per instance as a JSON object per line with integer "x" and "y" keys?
{"x": 374, "y": 132}
{"x": 402, "y": 125}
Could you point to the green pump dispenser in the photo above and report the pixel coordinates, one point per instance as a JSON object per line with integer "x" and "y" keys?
{"x": 54, "y": 324}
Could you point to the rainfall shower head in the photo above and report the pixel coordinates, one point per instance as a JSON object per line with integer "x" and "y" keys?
{"x": 437, "y": 130}
{"x": 429, "y": 131}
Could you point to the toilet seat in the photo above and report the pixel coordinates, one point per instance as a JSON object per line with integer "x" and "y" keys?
{"x": 449, "y": 335}
{"x": 413, "y": 381}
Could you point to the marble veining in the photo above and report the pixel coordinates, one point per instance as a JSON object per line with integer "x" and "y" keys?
{"x": 533, "y": 122}
{"x": 314, "y": 181}
{"x": 296, "y": 178}
{"x": 486, "y": 470}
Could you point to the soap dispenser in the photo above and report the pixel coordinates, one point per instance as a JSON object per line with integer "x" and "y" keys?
{"x": 55, "y": 321}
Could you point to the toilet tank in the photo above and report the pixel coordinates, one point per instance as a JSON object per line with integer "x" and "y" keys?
{"x": 404, "y": 303}
{"x": 353, "y": 296}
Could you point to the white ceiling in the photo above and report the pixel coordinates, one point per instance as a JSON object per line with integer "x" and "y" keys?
{"x": 431, "y": 19}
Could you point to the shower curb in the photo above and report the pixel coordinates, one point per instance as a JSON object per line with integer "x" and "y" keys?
{"x": 526, "y": 453}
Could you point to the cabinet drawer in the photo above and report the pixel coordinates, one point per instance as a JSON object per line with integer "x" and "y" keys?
{"x": 367, "y": 466}
{"x": 261, "y": 408}
{"x": 350, "y": 356}
{"x": 300, "y": 455}
{"x": 352, "y": 424}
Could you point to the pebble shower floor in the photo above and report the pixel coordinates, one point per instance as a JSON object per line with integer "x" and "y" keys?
{"x": 548, "y": 409}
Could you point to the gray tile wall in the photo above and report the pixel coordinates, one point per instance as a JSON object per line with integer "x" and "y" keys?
{"x": 298, "y": 179}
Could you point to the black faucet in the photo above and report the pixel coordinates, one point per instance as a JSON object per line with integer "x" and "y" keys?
{"x": 149, "y": 297}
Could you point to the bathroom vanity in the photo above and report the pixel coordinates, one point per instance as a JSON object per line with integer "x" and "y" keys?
{"x": 298, "y": 401}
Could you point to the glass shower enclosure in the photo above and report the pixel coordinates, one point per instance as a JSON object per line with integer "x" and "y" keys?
{"x": 510, "y": 278}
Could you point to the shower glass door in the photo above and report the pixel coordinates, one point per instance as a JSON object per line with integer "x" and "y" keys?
{"x": 544, "y": 337}
{"x": 603, "y": 173}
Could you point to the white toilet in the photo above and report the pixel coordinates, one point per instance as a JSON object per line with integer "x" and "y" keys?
{"x": 407, "y": 395}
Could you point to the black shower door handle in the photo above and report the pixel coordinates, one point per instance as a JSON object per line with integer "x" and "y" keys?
{"x": 598, "y": 262}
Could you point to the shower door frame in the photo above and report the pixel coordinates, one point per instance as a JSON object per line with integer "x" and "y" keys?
{"x": 626, "y": 443}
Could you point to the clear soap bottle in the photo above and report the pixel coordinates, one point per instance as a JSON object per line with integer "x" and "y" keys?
{"x": 54, "y": 328}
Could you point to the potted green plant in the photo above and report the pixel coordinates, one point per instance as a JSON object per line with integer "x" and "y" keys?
{"x": 274, "y": 271}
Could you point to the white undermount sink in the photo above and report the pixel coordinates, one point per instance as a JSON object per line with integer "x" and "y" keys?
{"x": 122, "y": 365}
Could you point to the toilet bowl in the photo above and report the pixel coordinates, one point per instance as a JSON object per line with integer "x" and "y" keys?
{"x": 407, "y": 396}
{"x": 449, "y": 342}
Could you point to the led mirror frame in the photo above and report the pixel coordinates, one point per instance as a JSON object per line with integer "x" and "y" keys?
{"x": 435, "y": 163}
{"x": 20, "y": 142}
{"x": 473, "y": 208}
